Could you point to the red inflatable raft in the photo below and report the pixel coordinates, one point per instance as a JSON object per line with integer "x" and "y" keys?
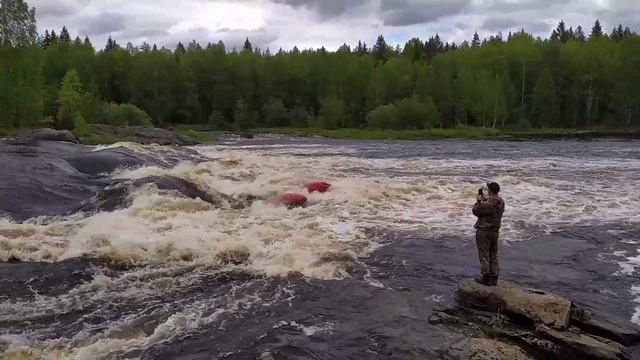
{"x": 319, "y": 186}
{"x": 289, "y": 199}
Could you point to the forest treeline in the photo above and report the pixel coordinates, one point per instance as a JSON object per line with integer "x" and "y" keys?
{"x": 572, "y": 79}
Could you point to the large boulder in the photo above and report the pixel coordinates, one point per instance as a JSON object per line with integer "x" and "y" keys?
{"x": 623, "y": 332}
{"x": 537, "y": 306}
{"x": 483, "y": 349}
{"x": 47, "y": 135}
{"x": 48, "y": 178}
{"x": 578, "y": 345}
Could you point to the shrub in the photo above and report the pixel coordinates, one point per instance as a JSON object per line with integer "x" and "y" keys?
{"x": 383, "y": 117}
{"x": 81, "y": 128}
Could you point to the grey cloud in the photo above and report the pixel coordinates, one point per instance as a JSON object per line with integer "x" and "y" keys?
{"x": 57, "y": 8}
{"x": 148, "y": 33}
{"x": 539, "y": 27}
{"x": 103, "y": 23}
{"x": 324, "y": 8}
{"x": 510, "y": 6}
{"x": 499, "y": 24}
{"x": 411, "y": 12}
{"x": 623, "y": 12}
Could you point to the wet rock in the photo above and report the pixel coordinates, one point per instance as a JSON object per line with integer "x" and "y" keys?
{"x": 48, "y": 178}
{"x": 537, "y": 306}
{"x": 597, "y": 324}
{"x": 577, "y": 345}
{"x": 47, "y": 135}
{"x": 117, "y": 196}
{"x": 439, "y": 317}
{"x": 527, "y": 339}
{"x": 246, "y": 135}
{"x": 483, "y": 349}
{"x": 106, "y": 161}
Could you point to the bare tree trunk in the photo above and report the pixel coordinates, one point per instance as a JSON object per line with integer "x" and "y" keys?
{"x": 524, "y": 80}
{"x": 590, "y": 99}
{"x": 495, "y": 110}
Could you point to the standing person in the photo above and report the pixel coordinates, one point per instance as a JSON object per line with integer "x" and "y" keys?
{"x": 489, "y": 211}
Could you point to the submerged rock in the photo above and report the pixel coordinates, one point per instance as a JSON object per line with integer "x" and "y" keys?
{"x": 48, "y": 178}
{"x": 117, "y": 196}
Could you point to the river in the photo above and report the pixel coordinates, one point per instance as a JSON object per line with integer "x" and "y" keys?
{"x": 353, "y": 275}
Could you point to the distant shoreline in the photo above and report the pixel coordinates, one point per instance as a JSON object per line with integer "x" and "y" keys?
{"x": 456, "y": 133}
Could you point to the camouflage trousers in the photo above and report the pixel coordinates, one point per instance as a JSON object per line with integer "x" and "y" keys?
{"x": 487, "y": 241}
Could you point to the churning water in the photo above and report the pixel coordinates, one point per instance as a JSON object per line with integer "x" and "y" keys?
{"x": 356, "y": 270}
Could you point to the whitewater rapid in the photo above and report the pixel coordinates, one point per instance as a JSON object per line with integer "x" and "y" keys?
{"x": 171, "y": 241}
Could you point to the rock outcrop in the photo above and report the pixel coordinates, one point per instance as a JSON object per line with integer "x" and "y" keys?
{"x": 47, "y": 135}
{"x": 48, "y": 178}
{"x": 142, "y": 134}
{"x": 537, "y": 305}
{"x": 543, "y": 324}
{"x": 483, "y": 349}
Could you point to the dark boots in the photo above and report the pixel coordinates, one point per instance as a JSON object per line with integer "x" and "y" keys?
{"x": 484, "y": 280}
{"x": 488, "y": 280}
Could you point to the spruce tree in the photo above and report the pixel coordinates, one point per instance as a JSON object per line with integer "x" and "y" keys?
{"x": 111, "y": 44}
{"x": 64, "y": 36}
{"x": 381, "y": 50}
{"x": 476, "y": 40}
{"x": 247, "y": 46}
{"x": 596, "y": 31}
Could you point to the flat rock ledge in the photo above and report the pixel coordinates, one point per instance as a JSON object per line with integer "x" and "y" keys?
{"x": 510, "y": 321}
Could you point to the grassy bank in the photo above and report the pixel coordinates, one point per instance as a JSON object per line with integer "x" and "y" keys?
{"x": 457, "y": 133}
{"x": 198, "y": 133}
{"x": 466, "y": 132}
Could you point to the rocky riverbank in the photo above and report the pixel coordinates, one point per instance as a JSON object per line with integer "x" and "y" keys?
{"x": 514, "y": 322}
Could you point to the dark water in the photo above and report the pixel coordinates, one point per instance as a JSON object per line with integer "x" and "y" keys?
{"x": 571, "y": 227}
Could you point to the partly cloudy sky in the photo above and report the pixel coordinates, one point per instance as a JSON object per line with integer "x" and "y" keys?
{"x": 316, "y": 23}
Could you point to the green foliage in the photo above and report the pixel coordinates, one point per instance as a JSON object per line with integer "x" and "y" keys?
{"x": 80, "y": 127}
{"x": 384, "y": 117}
{"x": 275, "y": 114}
{"x": 545, "y": 108}
{"x": 516, "y": 82}
{"x": 358, "y": 134}
{"x": 125, "y": 115}
{"x": 332, "y": 113}
{"x": 17, "y": 24}
{"x": 417, "y": 114}
{"x": 69, "y": 100}
{"x": 217, "y": 121}
{"x": 243, "y": 117}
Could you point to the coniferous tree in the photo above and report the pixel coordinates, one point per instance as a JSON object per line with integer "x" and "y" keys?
{"x": 45, "y": 40}
{"x": 381, "y": 50}
{"x": 247, "y": 46}
{"x": 580, "y": 35}
{"x": 476, "y": 40}
{"x": 64, "y": 36}
{"x": 596, "y": 31}
{"x": 111, "y": 44}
